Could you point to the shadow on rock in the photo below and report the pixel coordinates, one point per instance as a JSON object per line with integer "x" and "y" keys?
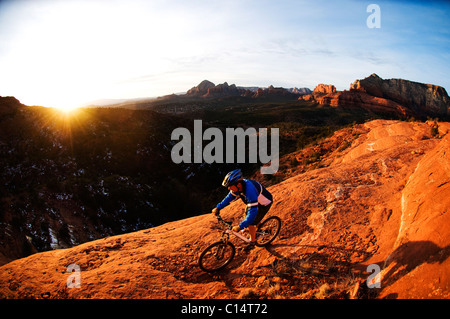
{"x": 410, "y": 255}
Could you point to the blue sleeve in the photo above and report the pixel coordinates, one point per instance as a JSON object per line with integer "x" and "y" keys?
{"x": 226, "y": 201}
{"x": 251, "y": 215}
{"x": 251, "y": 194}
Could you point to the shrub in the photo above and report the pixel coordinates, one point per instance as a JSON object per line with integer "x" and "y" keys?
{"x": 435, "y": 129}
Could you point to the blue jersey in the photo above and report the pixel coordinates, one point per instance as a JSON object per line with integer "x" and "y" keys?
{"x": 253, "y": 194}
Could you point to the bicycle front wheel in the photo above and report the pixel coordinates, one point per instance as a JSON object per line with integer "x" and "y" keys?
{"x": 268, "y": 230}
{"x": 216, "y": 256}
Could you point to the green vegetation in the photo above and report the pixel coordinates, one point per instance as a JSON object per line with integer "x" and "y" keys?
{"x": 435, "y": 129}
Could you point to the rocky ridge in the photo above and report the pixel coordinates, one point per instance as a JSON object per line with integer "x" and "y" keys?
{"x": 419, "y": 97}
{"x": 207, "y": 89}
{"x": 395, "y": 97}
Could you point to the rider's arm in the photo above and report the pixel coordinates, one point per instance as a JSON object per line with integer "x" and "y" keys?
{"x": 227, "y": 200}
{"x": 252, "y": 203}
{"x": 251, "y": 215}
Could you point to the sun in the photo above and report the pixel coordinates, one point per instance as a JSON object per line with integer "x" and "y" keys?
{"x": 66, "y": 109}
{"x": 63, "y": 105}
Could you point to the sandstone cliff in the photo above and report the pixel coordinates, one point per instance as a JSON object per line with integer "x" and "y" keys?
{"x": 420, "y": 98}
{"x": 394, "y": 97}
{"x": 324, "y": 89}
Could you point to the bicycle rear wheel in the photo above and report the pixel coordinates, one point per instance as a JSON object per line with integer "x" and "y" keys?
{"x": 216, "y": 256}
{"x": 268, "y": 230}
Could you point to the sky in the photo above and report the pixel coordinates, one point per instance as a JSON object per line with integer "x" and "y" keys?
{"x": 63, "y": 53}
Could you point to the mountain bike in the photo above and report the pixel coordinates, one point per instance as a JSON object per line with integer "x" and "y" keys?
{"x": 218, "y": 255}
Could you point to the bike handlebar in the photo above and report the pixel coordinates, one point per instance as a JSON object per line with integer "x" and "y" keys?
{"x": 220, "y": 219}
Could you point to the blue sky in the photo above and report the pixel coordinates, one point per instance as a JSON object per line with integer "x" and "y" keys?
{"x": 61, "y": 53}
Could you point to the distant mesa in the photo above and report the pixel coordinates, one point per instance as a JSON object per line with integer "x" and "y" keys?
{"x": 201, "y": 89}
{"x": 207, "y": 89}
{"x": 396, "y": 97}
{"x": 324, "y": 88}
{"x": 223, "y": 90}
{"x": 300, "y": 91}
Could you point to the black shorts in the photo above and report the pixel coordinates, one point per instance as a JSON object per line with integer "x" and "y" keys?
{"x": 262, "y": 211}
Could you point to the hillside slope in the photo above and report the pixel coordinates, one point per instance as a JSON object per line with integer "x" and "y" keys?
{"x": 384, "y": 200}
{"x": 69, "y": 179}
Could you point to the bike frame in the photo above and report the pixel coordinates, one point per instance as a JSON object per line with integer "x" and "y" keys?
{"x": 230, "y": 231}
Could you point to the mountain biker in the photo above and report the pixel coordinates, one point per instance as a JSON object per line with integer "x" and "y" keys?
{"x": 252, "y": 193}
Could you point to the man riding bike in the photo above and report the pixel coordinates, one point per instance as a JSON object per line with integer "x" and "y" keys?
{"x": 252, "y": 193}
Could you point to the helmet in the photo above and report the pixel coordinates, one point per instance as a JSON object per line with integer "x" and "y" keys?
{"x": 232, "y": 177}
